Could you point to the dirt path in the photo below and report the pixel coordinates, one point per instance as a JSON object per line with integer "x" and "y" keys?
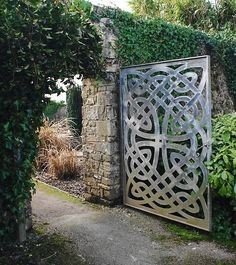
{"x": 121, "y": 236}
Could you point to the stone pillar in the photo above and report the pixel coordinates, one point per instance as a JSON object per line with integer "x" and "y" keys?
{"x": 100, "y": 132}
{"x": 221, "y": 99}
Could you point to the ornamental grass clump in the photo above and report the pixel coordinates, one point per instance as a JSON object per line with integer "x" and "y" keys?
{"x": 58, "y": 148}
{"x": 63, "y": 165}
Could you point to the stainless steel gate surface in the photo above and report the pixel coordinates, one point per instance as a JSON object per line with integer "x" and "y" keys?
{"x": 166, "y": 135}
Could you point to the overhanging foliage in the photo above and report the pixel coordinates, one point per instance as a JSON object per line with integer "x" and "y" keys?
{"x": 40, "y": 41}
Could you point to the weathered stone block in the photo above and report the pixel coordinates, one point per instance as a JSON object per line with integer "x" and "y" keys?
{"x": 91, "y": 101}
{"x": 103, "y": 128}
{"x": 112, "y": 112}
{"x": 112, "y": 194}
{"x": 110, "y": 181}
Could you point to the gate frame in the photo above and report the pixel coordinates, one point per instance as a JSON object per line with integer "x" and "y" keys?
{"x": 208, "y": 156}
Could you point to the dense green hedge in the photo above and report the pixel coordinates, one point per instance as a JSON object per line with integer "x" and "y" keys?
{"x": 52, "y": 108}
{"x": 40, "y": 41}
{"x": 143, "y": 40}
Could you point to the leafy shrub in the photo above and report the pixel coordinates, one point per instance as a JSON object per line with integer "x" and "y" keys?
{"x": 40, "y": 42}
{"x": 51, "y": 108}
{"x": 222, "y": 166}
{"x": 222, "y": 174}
{"x": 224, "y": 216}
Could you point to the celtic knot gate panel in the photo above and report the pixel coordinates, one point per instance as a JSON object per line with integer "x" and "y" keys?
{"x": 166, "y": 127}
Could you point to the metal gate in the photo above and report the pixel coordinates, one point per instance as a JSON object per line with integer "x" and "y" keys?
{"x": 166, "y": 134}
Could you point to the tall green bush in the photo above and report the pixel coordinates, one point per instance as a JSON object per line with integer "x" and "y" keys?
{"x": 199, "y": 14}
{"x": 223, "y": 163}
{"x": 74, "y": 108}
{"x": 40, "y": 42}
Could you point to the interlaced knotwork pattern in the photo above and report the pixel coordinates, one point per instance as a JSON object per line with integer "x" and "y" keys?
{"x": 166, "y": 139}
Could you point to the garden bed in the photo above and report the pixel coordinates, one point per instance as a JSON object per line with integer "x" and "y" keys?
{"x": 73, "y": 186}
{"x": 60, "y": 159}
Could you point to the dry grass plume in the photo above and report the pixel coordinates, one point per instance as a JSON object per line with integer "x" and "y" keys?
{"x": 58, "y": 148}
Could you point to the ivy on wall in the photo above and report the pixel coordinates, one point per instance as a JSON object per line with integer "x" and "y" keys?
{"x": 143, "y": 40}
{"x": 40, "y": 41}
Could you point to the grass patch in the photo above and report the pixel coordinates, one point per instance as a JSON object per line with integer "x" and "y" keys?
{"x": 40, "y": 228}
{"x": 41, "y": 249}
{"x": 185, "y": 233}
{"x": 57, "y": 193}
{"x": 160, "y": 238}
{"x": 179, "y": 233}
{"x": 53, "y": 191}
{"x": 194, "y": 259}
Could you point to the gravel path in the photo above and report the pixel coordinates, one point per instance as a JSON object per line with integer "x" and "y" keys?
{"x": 122, "y": 236}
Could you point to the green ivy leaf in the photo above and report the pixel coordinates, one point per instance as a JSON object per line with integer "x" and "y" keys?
{"x": 225, "y": 158}
{"x": 226, "y": 136}
{"x": 224, "y": 175}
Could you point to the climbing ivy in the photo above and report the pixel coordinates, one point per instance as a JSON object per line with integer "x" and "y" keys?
{"x": 40, "y": 41}
{"x": 143, "y": 40}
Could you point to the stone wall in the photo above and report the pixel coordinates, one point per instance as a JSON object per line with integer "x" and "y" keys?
{"x": 222, "y": 102}
{"x": 100, "y": 132}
